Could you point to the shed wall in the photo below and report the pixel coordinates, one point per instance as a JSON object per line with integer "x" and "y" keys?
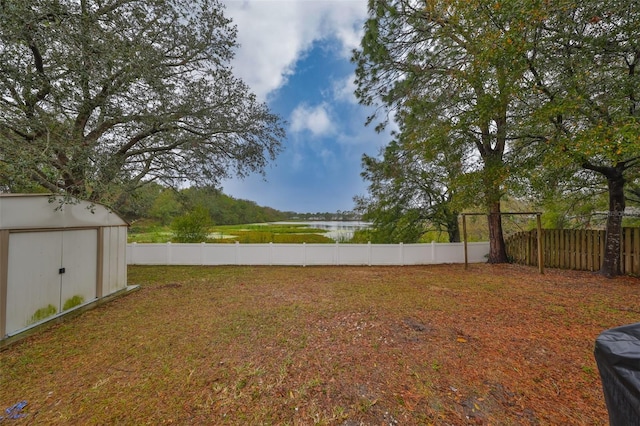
{"x": 114, "y": 259}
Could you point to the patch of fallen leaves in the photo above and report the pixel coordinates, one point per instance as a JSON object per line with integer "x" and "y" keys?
{"x": 492, "y": 345}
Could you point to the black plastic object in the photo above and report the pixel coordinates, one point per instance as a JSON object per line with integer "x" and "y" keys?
{"x": 617, "y": 354}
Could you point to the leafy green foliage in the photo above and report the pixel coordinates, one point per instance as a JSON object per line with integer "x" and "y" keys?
{"x": 192, "y": 227}
{"x": 536, "y": 93}
{"x": 140, "y": 202}
{"x": 275, "y": 237}
{"x": 157, "y": 206}
{"x": 411, "y": 190}
{"x": 634, "y": 192}
{"x": 452, "y": 71}
{"x": 266, "y": 233}
{"x": 99, "y": 98}
{"x": 149, "y": 234}
{"x": 584, "y": 67}
{"x": 226, "y": 210}
{"x": 272, "y": 233}
{"x": 165, "y": 207}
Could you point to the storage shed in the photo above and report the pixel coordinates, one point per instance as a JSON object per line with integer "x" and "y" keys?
{"x": 56, "y": 257}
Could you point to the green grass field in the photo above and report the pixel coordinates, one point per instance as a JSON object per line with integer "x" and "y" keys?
{"x": 251, "y": 233}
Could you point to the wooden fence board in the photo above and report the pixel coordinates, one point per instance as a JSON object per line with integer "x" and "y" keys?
{"x": 633, "y": 251}
{"x": 589, "y": 251}
{"x": 625, "y": 250}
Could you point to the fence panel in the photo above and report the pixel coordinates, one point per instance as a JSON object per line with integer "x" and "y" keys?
{"x": 216, "y": 254}
{"x": 382, "y": 254}
{"x": 288, "y": 254}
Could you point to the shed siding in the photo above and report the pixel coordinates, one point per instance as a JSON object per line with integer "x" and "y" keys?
{"x": 4, "y": 261}
{"x": 114, "y": 260}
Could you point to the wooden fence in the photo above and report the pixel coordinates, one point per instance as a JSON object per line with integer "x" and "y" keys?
{"x": 580, "y": 249}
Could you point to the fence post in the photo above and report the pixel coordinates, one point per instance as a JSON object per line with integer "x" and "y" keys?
{"x": 202, "y": 250}
{"x": 433, "y": 252}
{"x": 304, "y": 254}
{"x": 168, "y": 254}
{"x": 369, "y": 253}
{"x": 464, "y": 233}
{"x": 237, "y": 254}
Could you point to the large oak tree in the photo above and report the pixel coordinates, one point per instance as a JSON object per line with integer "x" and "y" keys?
{"x": 98, "y": 97}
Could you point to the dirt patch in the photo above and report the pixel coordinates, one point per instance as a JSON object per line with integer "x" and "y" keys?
{"x": 492, "y": 345}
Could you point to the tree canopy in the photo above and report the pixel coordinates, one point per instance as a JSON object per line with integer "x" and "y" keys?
{"x": 539, "y": 89}
{"x": 98, "y": 97}
{"x": 411, "y": 189}
{"x": 458, "y": 65}
{"x": 583, "y": 63}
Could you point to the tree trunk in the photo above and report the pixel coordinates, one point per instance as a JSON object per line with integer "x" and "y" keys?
{"x": 493, "y": 177}
{"x": 453, "y": 228}
{"x": 497, "y": 246}
{"x": 613, "y": 240}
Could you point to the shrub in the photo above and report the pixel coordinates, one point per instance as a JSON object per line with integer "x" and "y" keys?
{"x": 192, "y": 227}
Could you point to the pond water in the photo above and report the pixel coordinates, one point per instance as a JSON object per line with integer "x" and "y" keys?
{"x": 337, "y": 230}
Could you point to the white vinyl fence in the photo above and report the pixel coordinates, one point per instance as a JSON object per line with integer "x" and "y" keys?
{"x": 304, "y": 254}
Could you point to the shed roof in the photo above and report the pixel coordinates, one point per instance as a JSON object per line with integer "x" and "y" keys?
{"x": 42, "y": 211}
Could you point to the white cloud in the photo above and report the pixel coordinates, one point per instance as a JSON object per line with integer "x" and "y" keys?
{"x": 274, "y": 34}
{"x": 343, "y": 90}
{"x": 314, "y": 119}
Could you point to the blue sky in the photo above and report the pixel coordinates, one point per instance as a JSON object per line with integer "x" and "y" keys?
{"x": 295, "y": 55}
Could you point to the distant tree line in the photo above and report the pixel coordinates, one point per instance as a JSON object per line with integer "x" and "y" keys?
{"x": 329, "y": 216}
{"x": 163, "y": 205}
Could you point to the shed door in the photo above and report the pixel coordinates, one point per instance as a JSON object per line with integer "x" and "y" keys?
{"x": 46, "y": 271}
{"x": 79, "y": 260}
{"x": 33, "y": 291}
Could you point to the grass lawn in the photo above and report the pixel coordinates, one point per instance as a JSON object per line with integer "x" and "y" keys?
{"x": 496, "y": 344}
